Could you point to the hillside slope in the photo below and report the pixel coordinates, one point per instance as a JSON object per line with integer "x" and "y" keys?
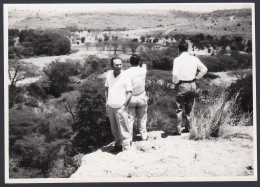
{"x": 214, "y": 23}
{"x": 171, "y": 157}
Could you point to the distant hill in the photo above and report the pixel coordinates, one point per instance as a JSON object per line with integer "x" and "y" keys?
{"x": 221, "y": 22}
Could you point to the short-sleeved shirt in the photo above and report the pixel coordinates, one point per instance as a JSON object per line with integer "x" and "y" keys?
{"x": 138, "y": 75}
{"x": 117, "y": 88}
{"x": 185, "y": 68}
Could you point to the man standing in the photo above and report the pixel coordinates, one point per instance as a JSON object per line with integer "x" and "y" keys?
{"x": 118, "y": 94}
{"x": 138, "y": 103}
{"x": 184, "y": 76}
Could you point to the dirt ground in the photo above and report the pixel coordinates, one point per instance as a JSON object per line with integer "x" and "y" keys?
{"x": 172, "y": 157}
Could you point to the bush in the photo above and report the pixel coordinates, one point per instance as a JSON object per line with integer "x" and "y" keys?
{"x": 37, "y": 91}
{"x": 244, "y": 88}
{"x": 58, "y": 74}
{"x": 94, "y": 64}
{"x": 13, "y": 32}
{"x": 162, "y": 115}
{"x": 214, "y": 118}
{"x": 224, "y": 63}
{"x": 163, "y": 63}
{"x": 92, "y": 129}
{"x": 158, "y": 84}
{"x": 44, "y": 43}
{"x": 16, "y": 95}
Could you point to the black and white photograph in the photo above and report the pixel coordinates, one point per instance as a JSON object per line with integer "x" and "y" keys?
{"x": 129, "y": 92}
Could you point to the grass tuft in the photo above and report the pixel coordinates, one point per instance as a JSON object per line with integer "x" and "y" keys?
{"x": 217, "y": 118}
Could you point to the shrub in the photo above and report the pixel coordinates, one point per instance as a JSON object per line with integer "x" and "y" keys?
{"x": 213, "y": 119}
{"x": 37, "y": 91}
{"x": 94, "y": 64}
{"x": 244, "y": 88}
{"x": 158, "y": 84}
{"x": 58, "y": 74}
{"x": 44, "y": 43}
{"x": 163, "y": 63}
{"x": 13, "y": 32}
{"x": 11, "y": 41}
{"x": 224, "y": 63}
{"x": 92, "y": 128}
{"x": 162, "y": 116}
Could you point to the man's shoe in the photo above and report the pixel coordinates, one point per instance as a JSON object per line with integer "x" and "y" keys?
{"x": 117, "y": 149}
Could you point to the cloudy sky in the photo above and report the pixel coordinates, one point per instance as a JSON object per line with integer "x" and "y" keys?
{"x": 194, "y": 7}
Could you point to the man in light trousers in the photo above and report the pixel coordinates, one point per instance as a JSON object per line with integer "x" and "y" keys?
{"x": 137, "y": 108}
{"x": 184, "y": 75}
{"x": 118, "y": 93}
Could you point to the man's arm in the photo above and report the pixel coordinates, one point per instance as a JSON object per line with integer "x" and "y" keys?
{"x": 175, "y": 78}
{"x": 128, "y": 97}
{"x": 202, "y": 69}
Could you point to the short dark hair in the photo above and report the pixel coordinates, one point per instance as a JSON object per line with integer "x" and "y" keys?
{"x": 112, "y": 60}
{"x": 183, "y": 46}
{"x": 134, "y": 60}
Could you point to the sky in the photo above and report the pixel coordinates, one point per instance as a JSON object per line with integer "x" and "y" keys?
{"x": 194, "y": 7}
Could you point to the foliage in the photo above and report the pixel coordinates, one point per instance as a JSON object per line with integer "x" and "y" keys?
{"x": 44, "y": 43}
{"x": 161, "y": 115}
{"x": 92, "y": 128}
{"x": 37, "y": 91}
{"x": 157, "y": 58}
{"x": 37, "y": 153}
{"x": 94, "y": 64}
{"x": 11, "y": 41}
{"x": 224, "y": 63}
{"x": 13, "y": 32}
{"x": 158, "y": 84}
{"x": 215, "y": 117}
{"x": 58, "y": 74}
{"x": 15, "y": 95}
{"x": 133, "y": 46}
{"x": 244, "y": 88}
{"x": 19, "y": 70}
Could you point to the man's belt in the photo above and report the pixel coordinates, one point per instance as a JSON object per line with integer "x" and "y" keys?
{"x": 180, "y": 82}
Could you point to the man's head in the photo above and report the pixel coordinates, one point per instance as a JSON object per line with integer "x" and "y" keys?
{"x": 116, "y": 64}
{"x": 183, "y": 46}
{"x": 134, "y": 60}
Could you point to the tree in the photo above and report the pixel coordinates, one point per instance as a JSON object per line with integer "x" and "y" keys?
{"x": 100, "y": 46}
{"x": 124, "y": 45}
{"x": 37, "y": 153}
{"x": 115, "y": 45}
{"x": 13, "y": 32}
{"x": 82, "y": 39}
{"x": 92, "y": 128}
{"x": 234, "y": 47}
{"x": 87, "y": 44}
{"x": 142, "y": 38}
{"x": 133, "y": 46}
{"x": 58, "y": 74}
{"x": 152, "y": 52}
{"x": 19, "y": 70}
{"x": 106, "y": 38}
{"x": 11, "y": 41}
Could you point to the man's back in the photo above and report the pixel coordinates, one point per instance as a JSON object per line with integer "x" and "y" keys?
{"x": 138, "y": 75}
{"x": 185, "y": 67}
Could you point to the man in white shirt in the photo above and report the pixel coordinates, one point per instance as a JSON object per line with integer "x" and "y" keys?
{"x": 118, "y": 93}
{"x": 137, "y": 108}
{"x": 184, "y": 76}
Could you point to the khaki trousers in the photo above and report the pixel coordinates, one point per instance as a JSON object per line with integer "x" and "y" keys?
{"x": 184, "y": 99}
{"x": 137, "y": 109}
{"x": 119, "y": 125}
